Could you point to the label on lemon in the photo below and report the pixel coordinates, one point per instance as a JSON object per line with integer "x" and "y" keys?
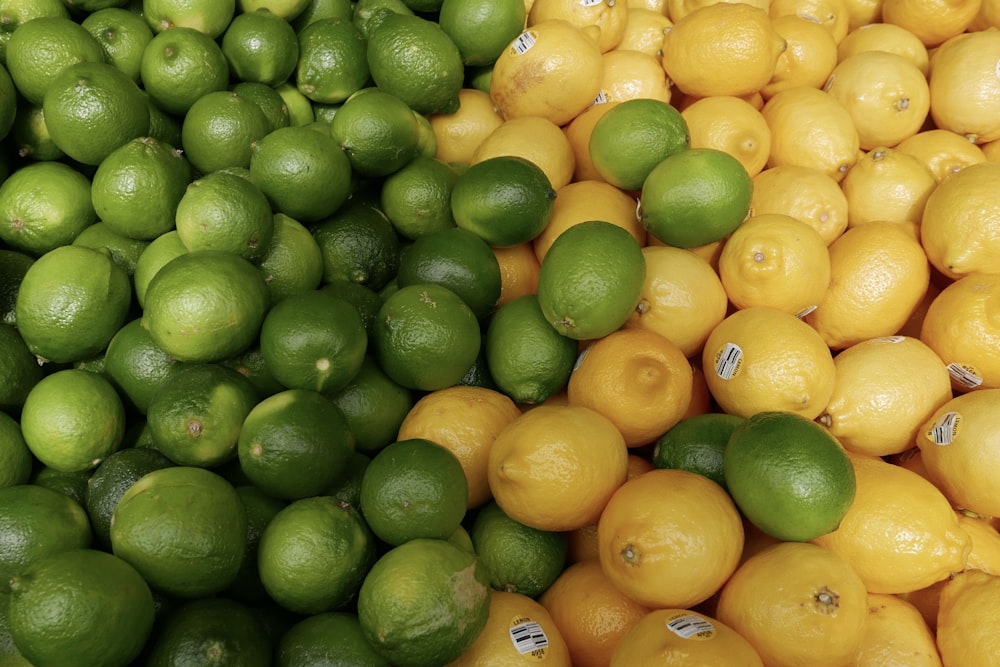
{"x": 805, "y": 311}
{"x": 729, "y": 361}
{"x": 964, "y": 375}
{"x": 529, "y": 638}
{"x": 690, "y": 626}
{"x": 523, "y": 42}
{"x": 602, "y": 98}
{"x": 945, "y": 429}
{"x": 891, "y": 339}
{"x": 590, "y": 3}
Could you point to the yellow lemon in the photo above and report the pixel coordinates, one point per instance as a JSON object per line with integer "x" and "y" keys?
{"x": 887, "y": 184}
{"x": 862, "y": 12}
{"x": 964, "y": 87}
{"x": 896, "y": 634}
{"x": 967, "y": 619}
{"x": 683, "y": 637}
{"x": 578, "y": 132}
{"x": 875, "y": 36}
{"x": 809, "y": 58}
{"x": 985, "y": 553}
{"x": 518, "y": 271}
{"x": 644, "y": 31}
{"x": 632, "y": 74}
{"x": 459, "y": 134}
{"x": 678, "y": 9}
{"x": 608, "y": 16}
{"x": 535, "y": 139}
{"x": 944, "y": 151}
{"x": 832, "y": 15}
{"x": 805, "y": 193}
{"x": 730, "y": 124}
{"x": 932, "y": 21}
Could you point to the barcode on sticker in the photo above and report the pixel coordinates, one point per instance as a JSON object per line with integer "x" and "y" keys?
{"x": 523, "y": 42}
{"x": 728, "y": 363}
{"x": 964, "y": 375}
{"x": 528, "y": 636}
{"x": 891, "y": 339}
{"x": 601, "y": 98}
{"x": 805, "y": 311}
{"x": 689, "y": 625}
{"x": 590, "y": 3}
{"x": 944, "y": 431}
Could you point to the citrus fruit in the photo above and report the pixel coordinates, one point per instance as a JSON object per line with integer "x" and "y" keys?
{"x": 332, "y": 63}
{"x": 591, "y": 279}
{"x": 804, "y": 193}
{"x": 887, "y": 184}
{"x": 16, "y": 460}
{"x": 961, "y": 88}
{"x": 358, "y": 244}
{"x": 48, "y": 45}
{"x": 635, "y": 136}
{"x": 629, "y": 74}
{"x": 179, "y": 65}
{"x": 377, "y": 130}
{"x": 123, "y": 250}
{"x": 51, "y": 613}
{"x": 697, "y": 444}
{"x": 21, "y": 370}
{"x": 481, "y": 30}
{"x": 183, "y": 528}
{"x": 123, "y": 35}
{"x": 895, "y": 630}
{"x": 154, "y": 256}
{"x": 517, "y": 627}
{"x": 209, "y": 629}
{"x": 219, "y": 130}
{"x": 968, "y": 593}
{"x": 810, "y": 54}
{"x": 788, "y": 475}
{"x": 423, "y": 603}
{"x": 417, "y": 198}
{"x": 294, "y": 444}
{"x": 683, "y": 637}
{"x": 695, "y": 197}
{"x": 330, "y": 636}
{"x": 518, "y": 271}
{"x": 109, "y": 481}
{"x": 373, "y": 405}
{"x": 535, "y": 139}
{"x": 260, "y": 46}
{"x": 210, "y": 18}
{"x": 610, "y": 19}
{"x": 832, "y": 15}
{"x": 136, "y": 366}
{"x": 459, "y": 133}
{"x": 944, "y": 151}
{"x": 730, "y": 124}
{"x": 293, "y": 263}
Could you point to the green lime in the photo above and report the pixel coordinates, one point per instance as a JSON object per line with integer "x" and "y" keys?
{"x": 73, "y": 485}
{"x": 426, "y": 338}
{"x": 413, "y": 488}
{"x": 423, "y": 603}
{"x": 294, "y": 261}
{"x": 528, "y": 359}
{"x": 210, "y": 631}
{"x": 13, "y": 14}
{"x": 697, "y": 444}
{"x": 322, "y": 9}
{"x": 206, "y": 305}
{"x": 695, "y": 197}
{"x": 362, "y": 297}
{"x": 295, "y": 444}
{"x": 31, "y": 135}
{"x": 209, "y": 17}
{"x": 16, "y": 461}
{"x": 219, "y": 130}
{"x": 303, "y": 173}
{"x": 347, "y": 488}
{"x": 479, "y": 374}
{"x": 479, "y": 78}
{"x": 224, "y": 212}
{"x": 359, "y": 245}
{"x": 635, "y": 136}
{"x": 123, "y": 250}
{"x": 377, "y": 131}
{"x": 73, "y": 419}
{"x": 9, "y": 655}
{"x": 44, "y": 205}
{"x": 314, "y": 340}
{"x": 417, "y": 198}
{"x": 80, "y": 607}
{"x": 19, "y": 370}
{"x": 300, "y": 111}
{"x": 39, "y": 49}
{"x": 788, "y": 475}
{"x": 482, "y": 29}
{"x": 136, "y": 188}
{"x": 71, "y": 302}
{"x": 197, "y": 412}
{"x": 136, "y": 365}
{"x": 591, "y": 279}
{"x": 506, "y": 200}
{"x": 286, "y": 9}
{"x": 260, "y": 509}
{"x": 13, "y": 266}
{"x": 332, "y": 61}
{"x": 330, "y": 638}
{"x": 111, "y": 479}
{"x": 250, "y": 363}
{"x": 183, "y": 528}
{"x": 515, "y": 557}
{"x": 267, "y": 100}
{"x": 427, "y": 141}
{"x": 369, "y": 14}
{"x": 260, "y": 46}
{"x": 374, "y": 406}
{"x": 179, "y": 65}
{"x": 93, "y": 108}
{"x": 36, "y": 522}
{"x": 8, "y": 101}
{"x": 314, "y": 554}
{"x": 123, "y": 36}
{"x": 163, "y": 126}
{"x": 160, "y": 250}
{"x": 414, "y": 59}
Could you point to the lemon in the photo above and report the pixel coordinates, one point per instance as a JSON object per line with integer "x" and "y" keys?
{"x": 536, "y": 139}
{"x": 809, "y": 56}
{"x": 44, "y": 205}
{"x": 731, "y": 124}
{"x": 683, "y": 636}
{"x": 893, "y": 623}
{"x": 969, "y": 593}
{"x": 887, "y": 184}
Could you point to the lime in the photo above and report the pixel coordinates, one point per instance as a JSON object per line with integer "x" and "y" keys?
{"x": 295, "y": 444}
{"x": 122, "y": 34}
{"x": 260, "y": 509}
{"x": 260, "y": 46}
{"x": 515, "y": 557}
{"x": 697, "y": 444}
{"x": 529, "y": 360}
{"x": 591, "y": 279}
{"x": 423, "y": 603}
{"x": 506, "y": 200}
{"x": 293, "y": 263}
{"x": 163, "y": 126}
{"x": 205, "y": 306}
{"x": 210, "y": 17}
{"x": 14, "y": 14}
{"x": 426, "y": 337}
{"x": 183, "y": 528}
{"x": 358, "y": 244}
{"x": 374, "y": 406}
{"x": 19, "y": 370}
{"x": 219, "y": 130}
{"x": 36, "y": 522}
{"x": 413, "y": 488}
{"x": 179, "y": 65}
{"x": 329, "y": 638}
{"x": 160, "y": 250}
{"x": 695, "y": 197}
{"x": 196, "y": 414}
{"x": 16, "y": 461}
{"x": 322, "y": 9}
{"x": 788, "y": 475}
{"x": 267, "y": 100}
{"x": 250, "y": 364}
{"x": 39, "y": 49}
{"x": 482, "y": 29}
{"x": 8, "y": 102}
{"x": 73, "y": 485}
{"x": 210, "y": 631}
{"x": 414, "y": 59}
{"x": 332, "y": 63}
{"x": 458, "y": 260}
{"x": 225, "y": 212}
{"x": 347, "y": 488}
{"x": 303, "y": 173}
{"x": 93, "y": 108}
{"x": 314, "y": 554}
{"x": 635, "y": 136}
{"x": 417, "y": 198}
{"x": 30, "y": 134}
{"x": 124, "y": 251}
{"x": 369, "y": 14}
{"x": 111, "y": 479}
{"x": 286, "y": 9}
{"x": 300, "y": 111}
{"x": 377, "y": 131}
{"x": 362, "y": 297}
{"x": 44, "y": 205}
{"x": 53, "y": 610}
{"x": 13, "y": 266}
{"x": 136, "y": 365}
{"x": 136, "y": 188}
